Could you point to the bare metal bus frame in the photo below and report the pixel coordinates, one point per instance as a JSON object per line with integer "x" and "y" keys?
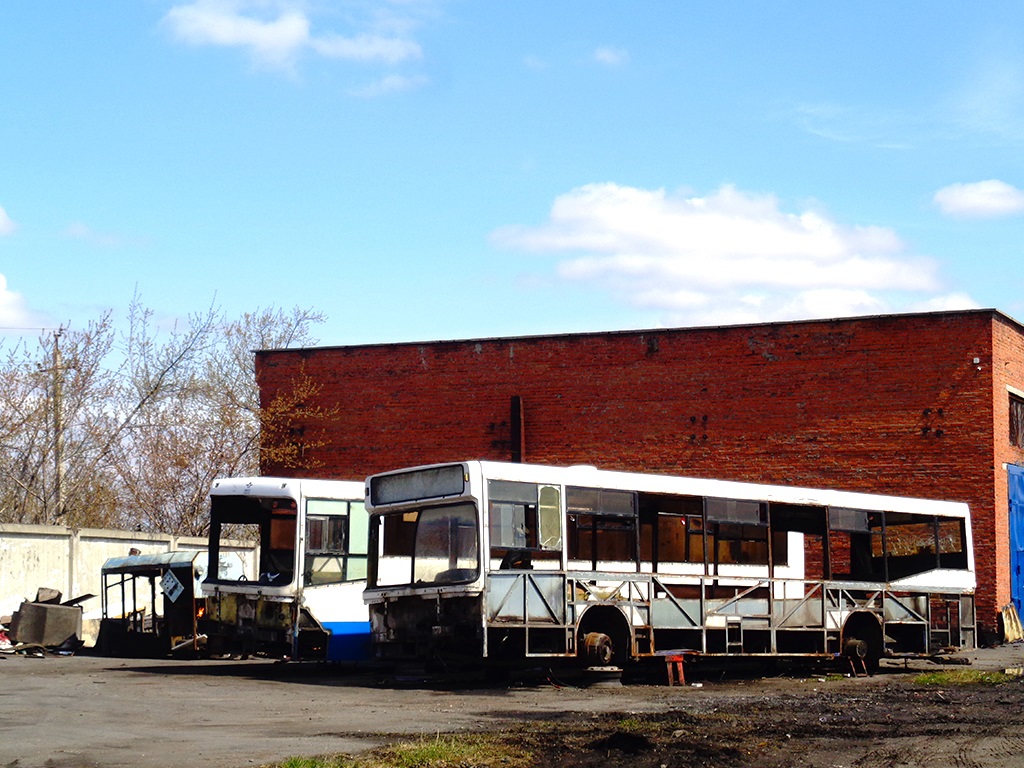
{"x": 524, "y": 607}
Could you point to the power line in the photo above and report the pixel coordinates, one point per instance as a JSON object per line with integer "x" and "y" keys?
{"x": 23, "y": 328}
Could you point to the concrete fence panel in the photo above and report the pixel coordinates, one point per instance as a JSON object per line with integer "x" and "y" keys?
{"x": 70, "y": 559}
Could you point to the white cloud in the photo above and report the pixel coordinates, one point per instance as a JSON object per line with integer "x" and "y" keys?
{"x": 13, "y": 312}
{"x": 6, "y": 225}
{"x": 80, "y": 231}
{"x": 730, "y": 256}
{"x": 990, "y": 99}
{"x": 535, "y": 63}
{"x": 944, "y": 303}
{"x": 980, "y": 200}
{"x": 276, "y": 32}
{"x": 367, "y": 48}
{"x": 613, "y": 57}
{"x": 858, "y": 124}
{"x": 389, "y": 84}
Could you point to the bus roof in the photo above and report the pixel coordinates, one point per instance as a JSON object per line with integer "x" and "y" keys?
{"x": 588, "y": 476}
{"x": 287, "y": 487}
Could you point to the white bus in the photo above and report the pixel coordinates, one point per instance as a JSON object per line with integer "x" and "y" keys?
{"x": 300, "y": 597}
{"x": 511, "y": 561}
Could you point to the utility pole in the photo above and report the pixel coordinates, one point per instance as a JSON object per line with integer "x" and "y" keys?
{"x": 58, "y": 425}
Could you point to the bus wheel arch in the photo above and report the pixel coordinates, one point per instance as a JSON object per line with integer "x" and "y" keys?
{"x": 862, "y": 639}
{"x": 604, "y": 637}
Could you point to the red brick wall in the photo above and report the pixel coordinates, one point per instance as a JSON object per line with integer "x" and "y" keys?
{"x": 887, "y": 404}
{"x": 1008, "y": 370}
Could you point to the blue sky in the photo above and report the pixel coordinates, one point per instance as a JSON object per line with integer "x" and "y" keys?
{"x": 432, "y": 169}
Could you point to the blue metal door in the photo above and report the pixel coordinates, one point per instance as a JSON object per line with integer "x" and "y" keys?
{"x": 1016, "y": 478}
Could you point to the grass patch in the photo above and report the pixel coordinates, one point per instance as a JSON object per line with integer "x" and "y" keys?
{"x": 953, "y": 677}
{"x": 326, "y": 761}
{"x": 631, "y": 724}
{"x": 479, "y": 750}
{"x": 449, "y": 751}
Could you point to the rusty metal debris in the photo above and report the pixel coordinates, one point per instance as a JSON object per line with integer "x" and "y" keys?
{"x": 45, "y": 624}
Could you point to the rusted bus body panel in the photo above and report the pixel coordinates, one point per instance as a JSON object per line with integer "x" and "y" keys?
{"x": 527, "y": 597}
{"x": 424, "y": 628}
{"x": 247, "y": 624}
{"x": 151, "y": 605}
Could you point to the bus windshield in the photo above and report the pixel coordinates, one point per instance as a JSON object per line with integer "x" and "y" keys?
{"x": 269, "y": 523}
{"x": 427, "y": 546}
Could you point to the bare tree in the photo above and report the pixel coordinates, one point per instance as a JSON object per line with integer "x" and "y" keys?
{"x": 231, "y": 372}
{"x": 200, "y": 418}
{"x": 131, "y": 429}
{"x": 52, "y": 409}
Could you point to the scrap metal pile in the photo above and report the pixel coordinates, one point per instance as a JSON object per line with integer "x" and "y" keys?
{"x": 44, "y": 625}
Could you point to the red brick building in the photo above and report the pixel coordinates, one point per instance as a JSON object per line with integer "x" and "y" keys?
{"x": 927, "y": 405}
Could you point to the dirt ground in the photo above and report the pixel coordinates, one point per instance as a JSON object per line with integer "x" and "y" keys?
{"x": 83, "y": 710}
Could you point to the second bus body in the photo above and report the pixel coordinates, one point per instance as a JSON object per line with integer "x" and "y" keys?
{"x": 510, "y": 561}
{"x": 301, "y": 596}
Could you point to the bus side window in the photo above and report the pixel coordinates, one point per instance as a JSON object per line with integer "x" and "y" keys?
{"x": 524, "y": 517}
{"x": 550, "y": 523}
{"x": 358, "y": 534}
{"x": 740, "y": 544}
{"x": 952, "y": 553}
{"x": 325, "y": 537}
{"x": 809, "y": 522}
{"x": 737, "y": 531}
{"x": 854, "y": 541}
{"x": 511, "y": 525}
{"x": 913, "y": 546}
{"x": 671, "y": 528}
{"x": 336, "y": 532}
{"x": 512, "y": 514}
{"x": 602, "y": 526}
{"x": 680, "y": 539}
